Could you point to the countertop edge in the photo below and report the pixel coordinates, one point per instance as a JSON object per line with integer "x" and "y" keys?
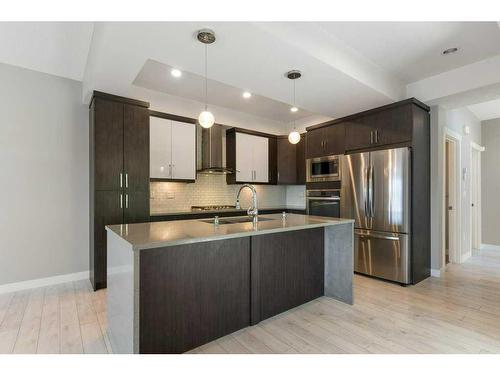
{"x": 187, "y": 241}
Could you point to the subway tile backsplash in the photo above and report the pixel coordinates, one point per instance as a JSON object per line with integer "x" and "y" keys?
{"x": 210, "y": 190}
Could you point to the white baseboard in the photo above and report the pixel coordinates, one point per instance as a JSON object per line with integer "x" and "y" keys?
{"x": 466, "y": 256}
{"x": 485, "y": 246}
{"x": 435, "y": 273}
{"x": 38, "y": 283}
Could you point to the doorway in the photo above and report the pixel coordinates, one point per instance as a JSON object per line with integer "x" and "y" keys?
{"x": 451, "y": 198}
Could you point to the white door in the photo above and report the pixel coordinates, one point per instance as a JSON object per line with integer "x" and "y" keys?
{"x": 261, "y": 159}
{"x": 160, "y": 147}
{"x": 244, "y": 157}
{"x": 183, "y": 151}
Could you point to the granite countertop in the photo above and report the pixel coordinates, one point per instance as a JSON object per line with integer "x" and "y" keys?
{"x": 171, "y": 233}
{"x": 226, "y": 210}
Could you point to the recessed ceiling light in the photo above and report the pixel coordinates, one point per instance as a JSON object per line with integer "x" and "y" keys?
{"x": 294, "y": 109}
{"x": 450, "y": 50}
{"x": 176, "y": 73}
{"x": 246, "y": 95}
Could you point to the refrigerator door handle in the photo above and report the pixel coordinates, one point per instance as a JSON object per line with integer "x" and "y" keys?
{"x": 366, "y": 193}
{"x": 369, "y": 188}
{"x": 372, "y": 188}
{"x": 382, "y": 237}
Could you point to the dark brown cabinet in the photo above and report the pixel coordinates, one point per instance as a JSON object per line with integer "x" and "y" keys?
{"x": 193, "y": 294}
{"x": 291, "y": 161}
{"x": 119, "y": 172}
{"x": 135, "y": 141}
{"x": 301, "y": 160}
{"x": 287, "y": 271}
{"x": 287, "y": 162}
{"x": 385, "y": 127}
{"x": 107, "y": 147}
{"x": 326, "y": 140}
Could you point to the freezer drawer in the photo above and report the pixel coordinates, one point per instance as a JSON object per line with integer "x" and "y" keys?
{"x": 382, "y": 254}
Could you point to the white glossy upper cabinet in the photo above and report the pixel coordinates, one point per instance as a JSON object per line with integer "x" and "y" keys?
{"x": 252, "y": 158}
{"x": 183, "y": 151}
{"x": 244, "y": 158}
{"x": 172, "y": 149}
{"x": 261, "y": 159}
{"x": 160, "y": 147}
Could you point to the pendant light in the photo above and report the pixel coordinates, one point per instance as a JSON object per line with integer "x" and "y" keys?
{"x": 294, "y": 136}
{"x": 206, "y": 118}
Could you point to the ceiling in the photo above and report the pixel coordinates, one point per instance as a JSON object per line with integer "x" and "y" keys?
{"x": 157, "y": 76}
{"x": 413, "y": 50}
{"x": 487, "y": 110}
{"x": 58, "y": 48}
{"x": 347, "y": 66}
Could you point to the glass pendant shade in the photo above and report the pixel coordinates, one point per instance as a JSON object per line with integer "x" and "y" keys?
{"x": 206, "y": 119}
{"x": 294, "y": 137}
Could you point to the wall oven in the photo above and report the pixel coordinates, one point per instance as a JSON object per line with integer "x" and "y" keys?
{"x": 326, "y": 168}
{"x": 323, "y": 202}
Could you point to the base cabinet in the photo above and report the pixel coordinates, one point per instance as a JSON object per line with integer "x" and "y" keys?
{"x": 193, "y": 294}
{"x": 287, "y": 271}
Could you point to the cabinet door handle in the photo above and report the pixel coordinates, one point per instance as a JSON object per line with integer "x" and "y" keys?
{"x": 371, "y": 137}
{"x": 170, "y": 170}
{"x": 126, "y": 200}
{"x": 121, "y": 180}
{"x": 126, "y": 180}
{"x": 121, "y": 200}
{"x": 376, "y": 136}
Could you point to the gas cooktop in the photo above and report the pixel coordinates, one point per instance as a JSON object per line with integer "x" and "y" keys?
{"x": 212, "y": 208}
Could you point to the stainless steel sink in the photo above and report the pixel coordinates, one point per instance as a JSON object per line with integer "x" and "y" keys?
{"x": 235, "y": 220}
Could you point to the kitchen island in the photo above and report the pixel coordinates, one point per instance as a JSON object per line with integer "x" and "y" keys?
{"x": 173, "y": 286}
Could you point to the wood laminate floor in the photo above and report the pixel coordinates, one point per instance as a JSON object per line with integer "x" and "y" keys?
{"x": 458, "y": 313}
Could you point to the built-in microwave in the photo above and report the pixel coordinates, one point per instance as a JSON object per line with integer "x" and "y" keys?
{"x": 326, "y": 168}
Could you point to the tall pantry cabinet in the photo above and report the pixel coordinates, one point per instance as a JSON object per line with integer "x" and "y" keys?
{"x": 119, "y": 171}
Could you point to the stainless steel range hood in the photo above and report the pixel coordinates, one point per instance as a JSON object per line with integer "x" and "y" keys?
{"x": 212, "y": 150}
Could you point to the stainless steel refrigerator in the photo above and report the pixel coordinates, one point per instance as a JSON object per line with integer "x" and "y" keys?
{"x": 376, "y": 194}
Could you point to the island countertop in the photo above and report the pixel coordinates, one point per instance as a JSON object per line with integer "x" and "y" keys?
{"x": 171, "y": 233}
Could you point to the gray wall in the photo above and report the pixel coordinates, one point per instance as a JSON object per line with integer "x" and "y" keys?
{"x": 454, "y": 120}
{"x": 490, "y": 182}
{"x": 44, "y": 176}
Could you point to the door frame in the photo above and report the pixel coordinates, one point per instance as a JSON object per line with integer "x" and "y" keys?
{"x": 475, "y": 179}
{"x": 455, "y": 237}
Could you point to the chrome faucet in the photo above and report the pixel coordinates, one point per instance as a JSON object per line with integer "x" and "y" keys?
{"x": 252, "y": 211}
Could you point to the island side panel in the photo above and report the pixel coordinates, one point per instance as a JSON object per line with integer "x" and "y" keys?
{"x": 339, "y": 262}
{"x": 192, "y": 294}
{"x": 120, "y": 294}
{"x": 287, "y": 271}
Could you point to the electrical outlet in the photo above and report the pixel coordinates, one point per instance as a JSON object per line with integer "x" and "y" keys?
{"x": 170, "y": 195}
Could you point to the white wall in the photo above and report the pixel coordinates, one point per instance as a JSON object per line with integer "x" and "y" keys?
{"x": 490, "y": 182}
{"x": 454, "y": 120}
{"x": 44, "y": 176}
